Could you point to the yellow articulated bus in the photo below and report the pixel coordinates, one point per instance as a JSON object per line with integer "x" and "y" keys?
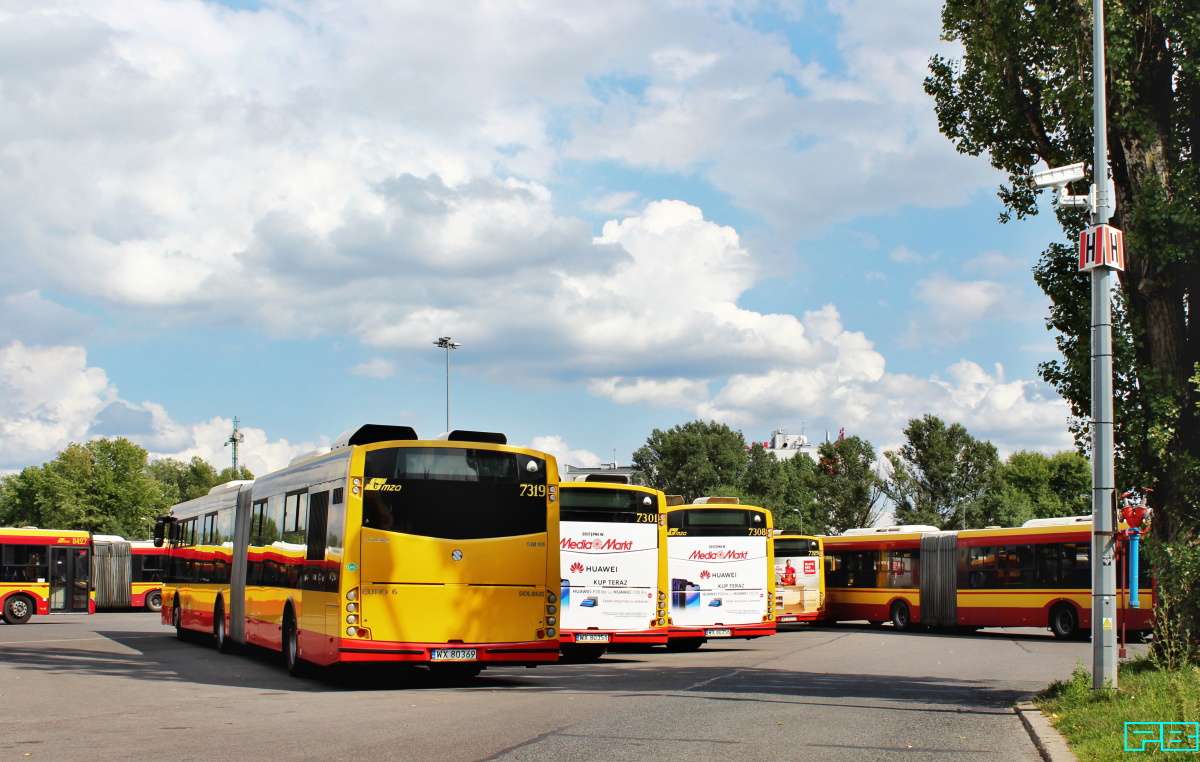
{"x": 799, "y": 578}
{"x": 614, "y": 573}
{"x": 387, "y": 548}
{"x": 721, "y": 565}
{"x": 44, "y": 571}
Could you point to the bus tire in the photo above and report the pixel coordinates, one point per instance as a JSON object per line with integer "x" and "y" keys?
{"x": 296, "y": 666}
{"x": 220, "y": 633}
{"x": 1064, "y": 622}
{"x": 901, "y": 616}
{"x": 17, "y": 609}
{"x": 181, "y": 632}
{"x": 153, "y": 600}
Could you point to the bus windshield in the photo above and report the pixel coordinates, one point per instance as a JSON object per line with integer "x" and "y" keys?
{"x": 614, "y": 506}
{"x": 454, "y": 493}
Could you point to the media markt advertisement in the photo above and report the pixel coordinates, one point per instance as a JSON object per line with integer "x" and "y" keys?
{"x": 797, "y": 585}
{"x": 609, "y": 575}
{"x": 717, "y": 580}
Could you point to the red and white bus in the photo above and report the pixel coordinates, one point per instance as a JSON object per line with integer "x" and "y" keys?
{"x": 44, "y": 571}
{"x": 1037, "y": 575}
{"x": 799, "y": 578}
{"x": 721, "y": 565}
{"x": 614, "y": 570}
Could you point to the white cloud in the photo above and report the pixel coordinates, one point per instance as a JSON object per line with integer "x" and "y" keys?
{"x": 50, "y": 397}
{"x": 376, "y": 367}
{"x": 952, "y": 308}
{"x": 557, "y": 446}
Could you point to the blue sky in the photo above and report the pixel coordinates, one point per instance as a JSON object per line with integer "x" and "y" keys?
{"x": 631, "y": 215}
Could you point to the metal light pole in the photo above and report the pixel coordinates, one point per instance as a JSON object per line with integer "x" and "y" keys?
{"x": 446, "y": 344}
{"x": 1104, "y": 571}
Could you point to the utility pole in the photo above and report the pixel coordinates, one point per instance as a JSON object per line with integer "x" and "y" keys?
{"x": 1101, "y": 250}
{"x": 1104, "y": 570}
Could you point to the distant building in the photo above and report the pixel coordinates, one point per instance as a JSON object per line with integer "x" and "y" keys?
{"x": 785, "y": 446}
{"x": 579, "y": 473}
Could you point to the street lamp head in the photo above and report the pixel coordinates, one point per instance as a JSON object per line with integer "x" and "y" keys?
{"x": 446, "y": 343}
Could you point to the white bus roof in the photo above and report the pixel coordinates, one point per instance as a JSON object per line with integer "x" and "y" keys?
{"x": 901, "y": 528}
{"x": 1057, "y": 522}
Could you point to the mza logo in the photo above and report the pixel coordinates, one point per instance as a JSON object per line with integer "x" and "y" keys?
{"x": 704, "y": 574}
{"x": 576, "y": 567}
{"x": 381, "y": 485}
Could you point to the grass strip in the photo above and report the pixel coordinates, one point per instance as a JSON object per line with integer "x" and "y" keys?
{"x": 1094, "y": 722}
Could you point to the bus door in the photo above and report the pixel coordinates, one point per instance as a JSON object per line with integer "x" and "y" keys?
{"x": 319, "y": 607}
{"x": 70, "y": 579}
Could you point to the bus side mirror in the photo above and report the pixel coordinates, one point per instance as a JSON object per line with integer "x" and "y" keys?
{"x": 160, "y": 530}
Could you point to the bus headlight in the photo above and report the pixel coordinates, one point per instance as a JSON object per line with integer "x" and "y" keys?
{"x": 552, "y": 609}
{"x": 551, "y": 620}
{"x": 550, "y": 633}
{"x": 551, "y": 598}
{"x": 351, "y": 631}
{"x": 351, "y": 607}
{"x": 352, "y": 594}
{"x": 352, "y": 619}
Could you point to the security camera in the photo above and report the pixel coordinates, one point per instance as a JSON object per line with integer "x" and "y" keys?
{"x": 1058, "y": 177}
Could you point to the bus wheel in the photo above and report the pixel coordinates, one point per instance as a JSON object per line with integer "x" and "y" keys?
{"x": 177, "y": 620}
{"x": 220, "y": 635}
{"x": 901, "y": 617}
{"x": 684, "y": 645}
{"x": 17, "y": 609}
{"x": 296, "y": 666}
{"x": 1063, "y": 621}
{"x": 154, "y": 600}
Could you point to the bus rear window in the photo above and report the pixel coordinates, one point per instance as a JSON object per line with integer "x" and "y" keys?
{"x": 607, "y": 505}
{"x": 716, "y": 522}
{"x": 796, "y": 547}
{"x": 454, "y": 493}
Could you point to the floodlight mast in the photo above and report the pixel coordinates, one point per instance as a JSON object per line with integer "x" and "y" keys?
{"x": 446, "y": 344}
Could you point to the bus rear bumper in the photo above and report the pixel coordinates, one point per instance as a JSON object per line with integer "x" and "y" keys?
{"x": 735, "y": 631}
{"x": 498, "y": 654}
{"x": 656, "y": 636}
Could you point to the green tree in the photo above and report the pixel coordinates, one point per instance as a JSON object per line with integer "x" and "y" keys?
{"x": 845, "y": 488}
{"x": 938, "y": 474}
{"x": 187, "y": 481}
{"x": 798, "y": 509}
{"x": 694, "y": 460}
{"x": 764, "y": 477}
{"x": 1022, "y": 94}
{"x": 103, "y": 486}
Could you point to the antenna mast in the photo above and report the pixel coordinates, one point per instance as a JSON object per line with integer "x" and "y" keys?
{"x": 235, "y": 439}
